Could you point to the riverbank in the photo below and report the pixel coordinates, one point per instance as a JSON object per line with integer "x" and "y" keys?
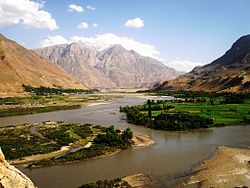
{"x": 229, "y": 167}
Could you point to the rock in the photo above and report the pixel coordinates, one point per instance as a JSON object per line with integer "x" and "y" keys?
{"x": 11, "y": 177}
{"x": 2, "y": 158}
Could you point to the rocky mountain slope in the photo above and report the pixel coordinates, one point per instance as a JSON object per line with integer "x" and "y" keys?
{"x": 21, "y": 66}
{"x": 12, "y": 177}
{"x": 114, "y": 67}
{"x": 231, "y": 72}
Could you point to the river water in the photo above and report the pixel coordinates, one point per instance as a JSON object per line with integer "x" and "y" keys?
{"x": 173, "y": 155}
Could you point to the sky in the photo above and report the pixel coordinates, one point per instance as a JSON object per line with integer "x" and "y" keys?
{"x": 181, "y": 33}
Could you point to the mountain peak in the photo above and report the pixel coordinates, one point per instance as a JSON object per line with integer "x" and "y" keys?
{"x": 113, "y": 67}
{"x": 242, "y": 42}
{"x": 229, "y": 73}
{"x": 117, "y": 47}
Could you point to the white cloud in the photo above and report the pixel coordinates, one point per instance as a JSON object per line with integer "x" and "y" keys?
{"x": 135, "y": 23}
{"x": 26, "y": 12}
{"x": 83, "y": 25}
{"x": 54, "y": 40}
{"x": 95, "y": 25}
{"x": 90, "y": 7}
{"x": 184, "y": 65}
{"x": 75, "y": 8}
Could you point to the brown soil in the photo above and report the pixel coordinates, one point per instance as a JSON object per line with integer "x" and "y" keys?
{"x": 228, "y": 168}
{"x": 141, "y": 140}
{"x": 140, "y": 181}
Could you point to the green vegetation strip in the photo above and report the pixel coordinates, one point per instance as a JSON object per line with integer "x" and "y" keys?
{"x": 35, "y": 110}
{"x": 52, "y": 91}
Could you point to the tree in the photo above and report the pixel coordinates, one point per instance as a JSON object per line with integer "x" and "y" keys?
{"x": 149, "y": 112}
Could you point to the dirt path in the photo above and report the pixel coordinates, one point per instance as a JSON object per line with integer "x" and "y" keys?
{"x": 230, "y": 167}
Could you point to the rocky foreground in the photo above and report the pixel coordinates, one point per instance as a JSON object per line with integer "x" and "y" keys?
{"x": 230, "y": 167}
{"x": 12, "y": 177}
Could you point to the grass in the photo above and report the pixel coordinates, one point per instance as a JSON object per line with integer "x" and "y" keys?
{"x": 74, "y": 135}
{"x": 221, "y": 113}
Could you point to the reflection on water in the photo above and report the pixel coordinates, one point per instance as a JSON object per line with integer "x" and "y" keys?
{"x": 173, "y": 153}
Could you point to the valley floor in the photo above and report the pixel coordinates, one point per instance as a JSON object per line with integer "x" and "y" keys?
{"x": 229, "y": 167}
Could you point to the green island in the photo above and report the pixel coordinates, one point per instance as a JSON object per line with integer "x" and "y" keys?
{"x": 191, "y": 110}
{"x": 52, "y": 143}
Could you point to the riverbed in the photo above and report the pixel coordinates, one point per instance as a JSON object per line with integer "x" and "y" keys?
{"x": 170, "y": 159}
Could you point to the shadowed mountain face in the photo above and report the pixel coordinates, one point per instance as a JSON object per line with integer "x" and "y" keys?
{"x": 231, "y": 72}
{"x": 114, "y": 67}
{"x": 21, "y": 66}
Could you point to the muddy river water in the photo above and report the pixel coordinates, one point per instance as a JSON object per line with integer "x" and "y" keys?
{"x": 173, "y": 155}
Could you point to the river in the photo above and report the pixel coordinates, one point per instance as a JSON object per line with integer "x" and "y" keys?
{"x": 173, "y": 155}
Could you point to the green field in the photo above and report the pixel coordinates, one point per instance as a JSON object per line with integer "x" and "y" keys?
{"x": 220, "y": 113}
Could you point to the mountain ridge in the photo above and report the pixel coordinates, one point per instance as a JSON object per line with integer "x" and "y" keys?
{"x": 113, "y": 67}
{"x": 19, "y": 66}
{"x": 229, "y": 73}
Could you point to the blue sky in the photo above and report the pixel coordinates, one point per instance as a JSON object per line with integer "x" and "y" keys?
{"x": 182, "y": 33}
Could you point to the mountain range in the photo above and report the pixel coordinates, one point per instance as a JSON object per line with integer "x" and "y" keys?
{"x": 19, "y": 66}
{"x": 229, "y": 73}
{"x": 113, "y": 67}
{"x": 81, "y": 66}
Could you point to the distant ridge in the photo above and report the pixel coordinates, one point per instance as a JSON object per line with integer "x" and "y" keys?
{"x": 113, "y": 67}
{"x": 21, "y": 66}
{"x": 230, "y": 73}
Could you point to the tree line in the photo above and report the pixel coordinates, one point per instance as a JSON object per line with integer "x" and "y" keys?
{"x": 165, "y": 120}
{"x": 52, "y": 91}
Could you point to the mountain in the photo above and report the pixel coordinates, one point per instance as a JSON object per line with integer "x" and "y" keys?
{"x": 79, "y": 61}
{"x": 21, "y": 66}
{"x": 113, "y": 67}
{"x": 230, "y": 73}
{"x": 129, "y": 69}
